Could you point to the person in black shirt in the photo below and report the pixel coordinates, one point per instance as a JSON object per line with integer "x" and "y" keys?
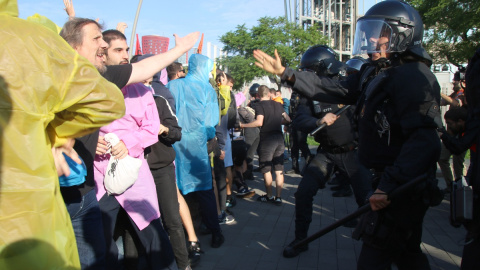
{"x": 270, "y": 116}
{"x": 397, "y": 98}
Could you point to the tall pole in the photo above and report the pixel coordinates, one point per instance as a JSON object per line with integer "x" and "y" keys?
{"x": 135, "y": 27}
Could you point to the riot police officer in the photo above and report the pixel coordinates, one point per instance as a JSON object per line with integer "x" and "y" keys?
{"x": 397, "y": 98}
{"x": 337, "y": 150}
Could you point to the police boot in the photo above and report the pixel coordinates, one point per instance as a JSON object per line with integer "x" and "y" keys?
{"x": 290, "y": 251}
{"x": 295, "y": 167}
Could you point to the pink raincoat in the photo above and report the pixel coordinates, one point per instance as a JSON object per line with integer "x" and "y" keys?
{"x": 138, "y": 129}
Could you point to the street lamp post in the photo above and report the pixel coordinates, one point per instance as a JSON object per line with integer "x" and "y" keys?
{"x": 132, "y": 39}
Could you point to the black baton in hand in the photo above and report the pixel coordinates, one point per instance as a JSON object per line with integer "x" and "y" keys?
{"x": 337, "y": 113}
{"x": 362, "y": 210}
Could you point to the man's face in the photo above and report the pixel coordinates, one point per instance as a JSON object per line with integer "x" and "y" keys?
{"x": 455, "y": 127}
{"x": 117, "y": 52}
{"x": 381, "y": 45}
{"x": 93, "y": 46}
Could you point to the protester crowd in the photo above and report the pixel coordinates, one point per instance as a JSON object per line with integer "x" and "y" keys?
{"x": 101, "y": 152}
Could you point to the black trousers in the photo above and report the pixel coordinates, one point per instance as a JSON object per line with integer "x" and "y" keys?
{"x": 252, "y": 139}
{"x": 154, "y": 239}
{"x": 396, "y": 236}
{"x": 317, "y": 174}
{"x": 298, "y": 141}
{"x": 165, "y": 183}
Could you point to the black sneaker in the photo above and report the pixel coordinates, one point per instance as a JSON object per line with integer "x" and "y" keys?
{"x": 231, "y": 201}
{"x": 217, "y": 240}
{"x": 194, "y": 252}
{"x": 245, "y": 192}
{"x": 264, "y": 198}
{"x": 290, "y": 252}
{"x": 277, "y": 201}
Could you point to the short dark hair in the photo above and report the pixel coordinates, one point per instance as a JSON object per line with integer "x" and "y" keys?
{"x": 72, "y": 31}
{"x": 456, "y": 113}
{"x": 230, "y": 78}
{"x": 263, "y": 91}
{"x": 172, "y": 69}
{"x": 135, "y": 58}
{"x": 112, "y": 34}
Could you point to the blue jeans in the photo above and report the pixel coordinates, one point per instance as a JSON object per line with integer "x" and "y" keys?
{"x": 87, "y": 226}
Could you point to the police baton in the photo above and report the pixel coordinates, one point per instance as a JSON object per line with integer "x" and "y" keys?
{"x": 360, "y": 211}
{"x": 337, "y": 113}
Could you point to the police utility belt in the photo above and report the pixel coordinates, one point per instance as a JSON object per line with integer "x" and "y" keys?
{"x": 339, "y": 149}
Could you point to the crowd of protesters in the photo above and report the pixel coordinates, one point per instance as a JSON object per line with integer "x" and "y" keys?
{"x": 192, "y": 138}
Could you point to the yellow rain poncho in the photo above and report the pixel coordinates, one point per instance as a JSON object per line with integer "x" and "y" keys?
{"x": 48, "y": 93}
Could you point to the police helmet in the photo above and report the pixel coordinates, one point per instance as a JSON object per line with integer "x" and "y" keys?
{"x": 390, "y": 26}
{"x": 254, "y": 89}
{"x": 355, "y": 64}
{"x": 322, "y": 60}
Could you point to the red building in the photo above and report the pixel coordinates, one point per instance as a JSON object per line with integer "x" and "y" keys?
{"x": 154, "y": 44}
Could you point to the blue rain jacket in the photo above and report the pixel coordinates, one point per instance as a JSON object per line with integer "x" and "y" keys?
{"x": 197, "y": 113}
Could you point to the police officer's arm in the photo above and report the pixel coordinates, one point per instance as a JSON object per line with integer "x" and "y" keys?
{"x": 309, "y": 84}
{"x": 304, "y": 119}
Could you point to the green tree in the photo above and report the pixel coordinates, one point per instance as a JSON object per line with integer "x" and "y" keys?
{"x": 452, "y": 28}
{"x": 290, "y": 40}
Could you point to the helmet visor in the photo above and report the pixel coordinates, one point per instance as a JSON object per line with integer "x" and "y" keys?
{"x": 372, "y": 36}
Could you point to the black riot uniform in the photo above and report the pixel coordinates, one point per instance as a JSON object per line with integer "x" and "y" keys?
{"x": 397, "y": 112}
{"x": 337, "y": 151}
{"x": 298, "y": 138}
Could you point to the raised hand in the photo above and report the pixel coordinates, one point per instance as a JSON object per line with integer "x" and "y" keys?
{"x": 69, "y": 8}
{"x": 121, "y": 27}
{"x": 187, "y": 42}
{"x": 268, "y": 63}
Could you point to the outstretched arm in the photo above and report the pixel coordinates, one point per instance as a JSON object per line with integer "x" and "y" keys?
{"x": 150, "y": 66}
{"x": 270, "y": 64}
